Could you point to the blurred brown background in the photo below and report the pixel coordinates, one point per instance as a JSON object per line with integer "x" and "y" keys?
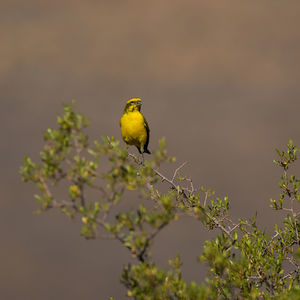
{"x": 218, "y": 79}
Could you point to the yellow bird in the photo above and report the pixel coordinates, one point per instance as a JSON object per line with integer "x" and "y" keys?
{"x": 134, "y": 127}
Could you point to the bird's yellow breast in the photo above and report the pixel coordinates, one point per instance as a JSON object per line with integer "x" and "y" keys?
{"x": 133, "y": 128}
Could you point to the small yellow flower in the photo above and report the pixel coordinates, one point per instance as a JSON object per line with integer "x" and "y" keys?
{"x": 74, "y": 191}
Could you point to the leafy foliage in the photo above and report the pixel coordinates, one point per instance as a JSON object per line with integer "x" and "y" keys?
{"x": 244, "y": 262}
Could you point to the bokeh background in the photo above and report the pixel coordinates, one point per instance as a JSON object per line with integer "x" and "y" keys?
{"x": 218, "y": 79}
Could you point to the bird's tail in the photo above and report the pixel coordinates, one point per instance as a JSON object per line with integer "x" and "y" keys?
{"x": 147, "y": 151}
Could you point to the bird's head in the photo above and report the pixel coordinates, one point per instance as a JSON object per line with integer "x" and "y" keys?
{"x": 133, "y": 104}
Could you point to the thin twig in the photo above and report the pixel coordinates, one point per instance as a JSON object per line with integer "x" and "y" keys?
{"x": 99, "y": 188}
{"x": 232, "y": 229}
{"x": 290, "y": 274}
{"x": 147, "y": 242}
{"x": 171, "y": 182}
{"x": 177, "y": 170}
{"x": 205, "y": 199}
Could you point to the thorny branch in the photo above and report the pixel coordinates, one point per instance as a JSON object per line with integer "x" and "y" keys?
{"x": 230, "y": 229}
{"x": 186, "y": 193}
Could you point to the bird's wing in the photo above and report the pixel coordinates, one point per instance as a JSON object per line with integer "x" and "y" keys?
{"x": 148, "y": 133}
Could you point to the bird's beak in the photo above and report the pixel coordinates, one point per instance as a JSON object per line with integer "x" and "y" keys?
{"x": 139, "y": 103}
